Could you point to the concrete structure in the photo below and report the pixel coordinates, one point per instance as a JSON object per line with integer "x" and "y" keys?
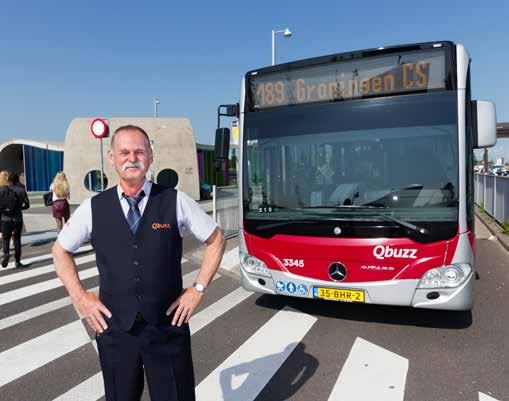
{"x": 39, "y": 161}
{"x": 174, "y": 150}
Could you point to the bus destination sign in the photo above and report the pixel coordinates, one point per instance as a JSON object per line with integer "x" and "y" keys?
{"x": 397, "y": 73}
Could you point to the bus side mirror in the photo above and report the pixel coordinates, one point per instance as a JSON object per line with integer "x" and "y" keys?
{"x": 222, "y": 147}
{"x": 484, "y": 119}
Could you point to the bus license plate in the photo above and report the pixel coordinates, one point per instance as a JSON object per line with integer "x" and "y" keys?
{"x": 338, "y": 294}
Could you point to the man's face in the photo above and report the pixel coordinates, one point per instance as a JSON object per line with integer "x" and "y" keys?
{"x": 131, "y": 155}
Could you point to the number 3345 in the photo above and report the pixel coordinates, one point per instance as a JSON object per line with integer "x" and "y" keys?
{"x": 293, "y": 262}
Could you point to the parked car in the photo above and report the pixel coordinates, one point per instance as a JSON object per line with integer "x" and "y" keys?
{"x": 502, "y": 171}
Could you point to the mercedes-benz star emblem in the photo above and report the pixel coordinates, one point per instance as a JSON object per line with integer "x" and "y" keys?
{"x": 337, "y": 271}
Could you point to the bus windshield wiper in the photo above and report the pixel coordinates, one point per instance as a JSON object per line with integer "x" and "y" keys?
{"x": 403, "y": 223}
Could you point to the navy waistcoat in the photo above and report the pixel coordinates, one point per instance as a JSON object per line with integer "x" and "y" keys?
{"x": 142, "y": 272}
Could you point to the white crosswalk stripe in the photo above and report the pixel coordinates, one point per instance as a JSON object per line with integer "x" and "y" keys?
{"x": 44, "y": 258}
{"x": 187, "y": 281}
{"x": 89, "y": 390}
{"x": 22, "y": 275}
{"x": 217, "y": 309}
{"x": 385, "y": 372}
{"x": 44, "y": 286}
{"x": 43, "y": 349}
{"x": 34, "y": 312}
{"x": 244, "y": 374}
{"x": 484, "y": 397}
{"x": 231, "y": 259}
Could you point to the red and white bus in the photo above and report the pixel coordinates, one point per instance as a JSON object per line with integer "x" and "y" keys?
{"x": 356, "y": 176}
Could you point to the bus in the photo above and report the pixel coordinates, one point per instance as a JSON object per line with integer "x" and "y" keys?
{"x": 356, "y": 176}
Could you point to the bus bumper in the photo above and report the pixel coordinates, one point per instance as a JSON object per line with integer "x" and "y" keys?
{"x": 393, "y": 292}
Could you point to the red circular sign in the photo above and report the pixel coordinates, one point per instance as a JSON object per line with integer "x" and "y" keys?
{"x": 99, "y": 128}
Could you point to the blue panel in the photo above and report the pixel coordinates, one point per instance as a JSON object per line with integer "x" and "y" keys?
{"x": 41, "y": 166}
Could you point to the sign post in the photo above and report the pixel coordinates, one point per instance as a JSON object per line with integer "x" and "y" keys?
{"x": 99, "y": 129}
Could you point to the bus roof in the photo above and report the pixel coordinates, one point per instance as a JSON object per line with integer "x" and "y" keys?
{"x": 349, "y": 56}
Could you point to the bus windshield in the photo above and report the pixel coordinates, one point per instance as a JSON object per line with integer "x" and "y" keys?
{"x": 399, "y": 154}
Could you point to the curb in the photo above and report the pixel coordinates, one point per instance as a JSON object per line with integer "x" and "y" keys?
{"x": 493, "y": 227}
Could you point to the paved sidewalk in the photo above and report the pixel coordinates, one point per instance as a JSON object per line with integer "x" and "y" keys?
{"x": 493, "y": 227}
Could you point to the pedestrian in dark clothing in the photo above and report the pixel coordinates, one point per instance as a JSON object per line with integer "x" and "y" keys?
{"x": 12, "y": 217}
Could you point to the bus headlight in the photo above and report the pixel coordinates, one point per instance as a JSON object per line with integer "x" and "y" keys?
{"x": 254, "y": 265}
{"x": 445, "y": 277}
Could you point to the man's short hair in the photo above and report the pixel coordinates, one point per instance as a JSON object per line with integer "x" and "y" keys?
{"x": 129, "y": 127}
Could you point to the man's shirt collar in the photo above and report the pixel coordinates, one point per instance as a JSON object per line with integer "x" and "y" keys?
{"x": 147, "y": 186}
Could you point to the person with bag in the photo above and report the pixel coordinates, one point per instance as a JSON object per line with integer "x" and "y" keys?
{"x": 60, "y": 204}
{"x": 4, "y": 180}
{"x": 13, "y": 200}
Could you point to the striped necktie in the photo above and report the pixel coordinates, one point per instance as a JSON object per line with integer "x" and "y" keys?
{"x": 134, "y": 215}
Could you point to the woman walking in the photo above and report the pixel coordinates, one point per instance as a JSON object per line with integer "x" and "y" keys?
{"x": 13, "y": 200}
{"x": 61, "y": 193}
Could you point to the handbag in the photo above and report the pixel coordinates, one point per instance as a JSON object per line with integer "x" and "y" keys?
{"x": 48, "y": 198}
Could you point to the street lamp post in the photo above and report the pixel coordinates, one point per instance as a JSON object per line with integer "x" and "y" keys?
{"x": 286, "y": 33}
{"x": 156, "y": 102}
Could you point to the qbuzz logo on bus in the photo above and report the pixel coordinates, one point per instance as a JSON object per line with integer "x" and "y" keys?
{"x": 381, "y": 252}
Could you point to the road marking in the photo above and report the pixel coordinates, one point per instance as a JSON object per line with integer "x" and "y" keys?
{"x": 22, "y": 275}
{"x": 246, "y": 372}
{"x": 44, "y": 286}
{"x": 230, "y": 259}
{"x": 43, "y": 258}
{"x": 371, "y": 373}
{"x": 34, "y": 312}
{"x": 187, "y": 280}
{"x": 90, "y": 390}
{"x": 30, "y": 355}
{"x": 484, "y": 397}
{"x": 20, "y": 293}
{"x": 218, "y": 308}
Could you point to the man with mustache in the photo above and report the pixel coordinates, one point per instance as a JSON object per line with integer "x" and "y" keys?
{"x": 141, "y": 313}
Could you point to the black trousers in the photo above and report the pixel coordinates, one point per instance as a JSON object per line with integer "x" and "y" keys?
{"x": 12, "y": 228}
{"x": 163, "y": 352}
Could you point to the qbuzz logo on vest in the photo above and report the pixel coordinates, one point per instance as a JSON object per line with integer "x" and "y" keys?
{"x": 161, "y": 226}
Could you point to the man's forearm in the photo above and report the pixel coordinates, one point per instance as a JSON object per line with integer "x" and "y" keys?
{"x": 67, "y": 272}
{"x": 211, "y": 258}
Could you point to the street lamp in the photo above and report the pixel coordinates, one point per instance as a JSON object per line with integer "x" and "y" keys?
{"x": 286, "y": 33}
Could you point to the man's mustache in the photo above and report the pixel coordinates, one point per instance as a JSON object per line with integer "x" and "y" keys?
{"x": 129, "y": 165}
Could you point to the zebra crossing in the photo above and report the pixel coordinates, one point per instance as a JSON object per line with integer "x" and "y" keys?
{"x": 242, "y": 350}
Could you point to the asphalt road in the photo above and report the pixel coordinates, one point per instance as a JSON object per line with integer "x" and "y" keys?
{"x": 252, "y": 347}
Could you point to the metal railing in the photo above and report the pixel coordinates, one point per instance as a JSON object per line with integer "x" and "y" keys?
{"x": 492, "y": 194}
{"x": 225, "y": 209}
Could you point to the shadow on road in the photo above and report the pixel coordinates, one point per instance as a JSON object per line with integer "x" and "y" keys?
{"x": 397, "y": 315}
{"x": 240, "y": 381}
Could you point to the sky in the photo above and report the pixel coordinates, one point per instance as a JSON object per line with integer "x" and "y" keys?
{"x": 64, "y": 59}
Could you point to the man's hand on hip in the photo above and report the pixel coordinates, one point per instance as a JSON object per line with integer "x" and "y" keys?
{"x": 186, "y": 304}
{"x": 92, "y": 309}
